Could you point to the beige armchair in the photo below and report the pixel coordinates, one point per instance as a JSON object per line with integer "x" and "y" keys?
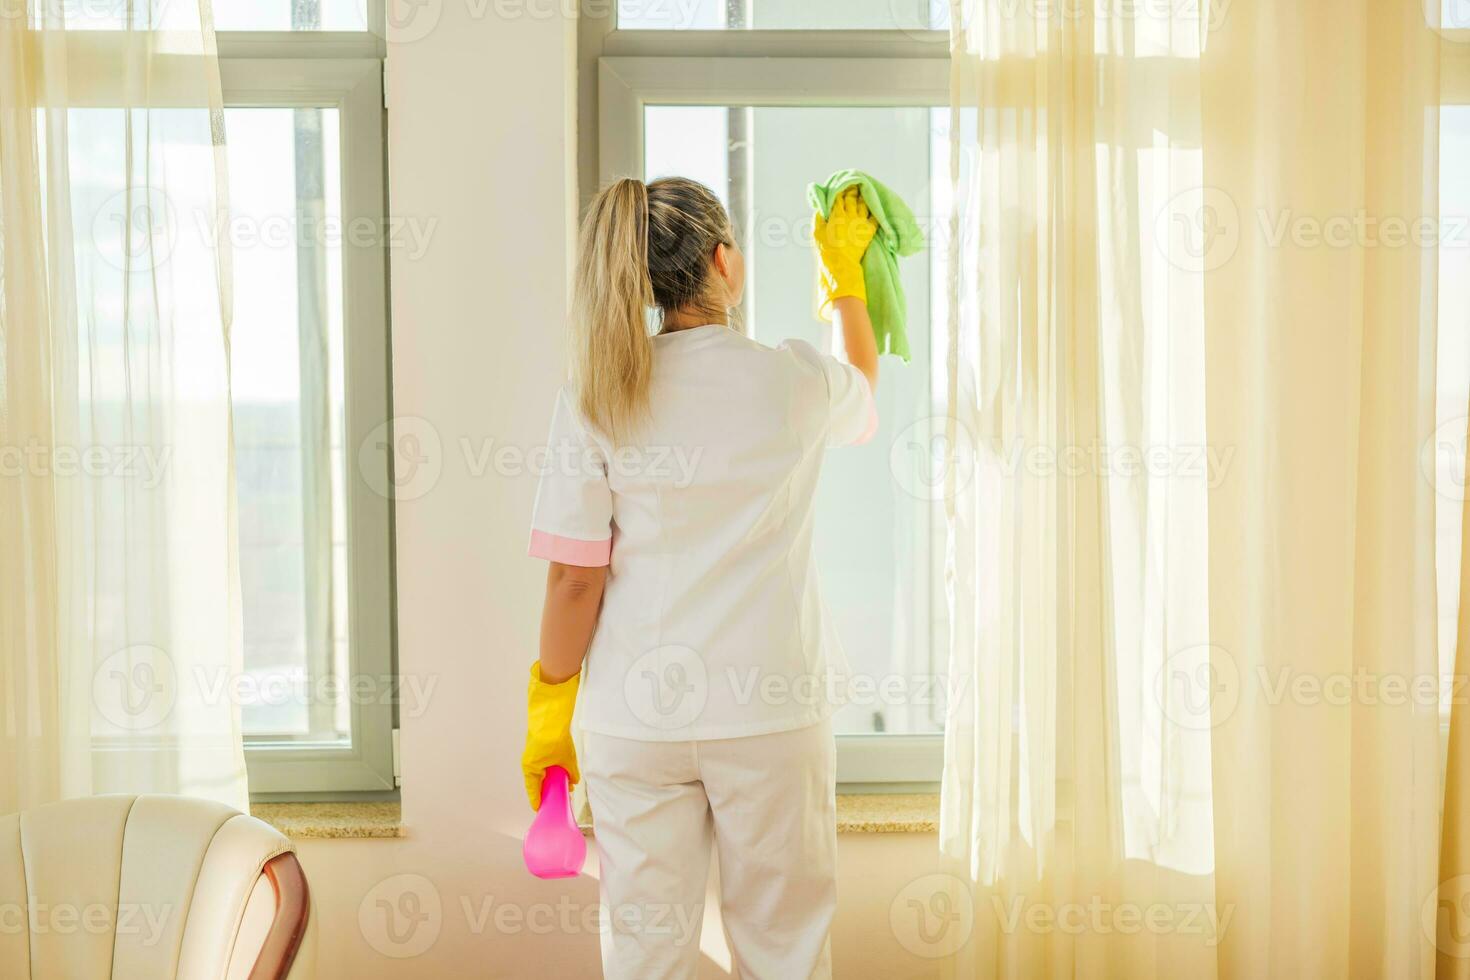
{"x": 147, "y": 888}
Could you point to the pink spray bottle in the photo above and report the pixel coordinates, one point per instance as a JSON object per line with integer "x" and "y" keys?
{"x": 555, "y": 847}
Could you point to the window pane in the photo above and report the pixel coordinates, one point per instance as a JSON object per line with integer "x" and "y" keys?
{"x": 287, "y": 382}
{"x": 879, "y": 536}
{"x": 1453, "y": 14}
{"x": 1444, "y": 463}
{"x": 771, "y": 15}
{"x": 229, "y": 15}
{"x": 290, "y": 15}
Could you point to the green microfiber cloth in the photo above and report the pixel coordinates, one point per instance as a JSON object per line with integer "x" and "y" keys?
{"x": 898, "y": 235}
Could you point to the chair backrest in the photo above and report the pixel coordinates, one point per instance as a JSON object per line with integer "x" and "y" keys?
{"x": 124, "y": 887}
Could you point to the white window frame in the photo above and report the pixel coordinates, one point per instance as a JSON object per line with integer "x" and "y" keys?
{"x": 624, "y": 71}
{"x": 343, "y": 71}
{"x": 1454, "y": 88}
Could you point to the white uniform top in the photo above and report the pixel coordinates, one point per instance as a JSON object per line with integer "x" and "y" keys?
{"x": 712, "y": 625}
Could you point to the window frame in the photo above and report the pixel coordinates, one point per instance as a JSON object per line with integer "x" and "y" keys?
{"x": 342, "y": 71}
{"x": 1454, "y": 90}
{"x": 621, "y": 72}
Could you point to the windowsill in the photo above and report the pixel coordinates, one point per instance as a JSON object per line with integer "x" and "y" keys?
{"x": 868, "y": 813}
{"x": 885, "y": 813}
{"x": 857, "y": 813}
{"x": 332, "y": 821}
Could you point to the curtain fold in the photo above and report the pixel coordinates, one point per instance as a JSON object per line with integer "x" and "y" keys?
{"x": 119, "y": 630}
{"x": 1446, "y": 912}
{"x": 1322, "y": 560}
{"x": 1187, "y": 292}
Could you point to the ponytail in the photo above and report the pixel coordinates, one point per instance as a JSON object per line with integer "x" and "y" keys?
{"x": 612, "y": 353}
{"x": 640, "y": 246}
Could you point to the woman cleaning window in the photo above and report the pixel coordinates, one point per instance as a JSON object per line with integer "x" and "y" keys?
{"x": 676, "y": 511}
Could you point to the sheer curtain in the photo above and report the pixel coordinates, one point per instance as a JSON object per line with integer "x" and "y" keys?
{"x": 1192, "y": 368}
{"x": 119, "y": 593}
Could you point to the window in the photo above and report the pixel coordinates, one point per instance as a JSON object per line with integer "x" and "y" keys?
{"x": 289, "y": 15}
{"x": 302, "y": 87}
{"x": 768, "y": 15}
{"x": 304, "y": 128}
{"x": 756, "y": 114}
{"x": 1443, "y": 459}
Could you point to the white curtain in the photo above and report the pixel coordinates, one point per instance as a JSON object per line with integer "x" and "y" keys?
{"x": 1191, "y": 371}
{"x": 119, "y": 591}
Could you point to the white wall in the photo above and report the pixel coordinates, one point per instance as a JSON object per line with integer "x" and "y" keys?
{"x": 480, "y": 140}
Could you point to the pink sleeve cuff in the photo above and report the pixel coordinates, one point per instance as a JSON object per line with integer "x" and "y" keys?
{"x": 570, "y": 551}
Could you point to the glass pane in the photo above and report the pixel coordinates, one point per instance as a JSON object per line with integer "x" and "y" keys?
{"x": 884, "y": 585}
{"x": 229, "y": 15}
{"x": 287, "y": 378}
{"x": 291, "y": 15}
{"x": 1454, "y": 14}
{"x": 771, "y": 15}
{"x": 1444, "y": 460}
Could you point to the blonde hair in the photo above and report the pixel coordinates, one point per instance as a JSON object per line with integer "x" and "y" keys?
{"x": 641, "y": 246}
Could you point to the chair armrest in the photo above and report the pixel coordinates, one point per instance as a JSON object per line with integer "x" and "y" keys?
{"x": 289, "y": 926}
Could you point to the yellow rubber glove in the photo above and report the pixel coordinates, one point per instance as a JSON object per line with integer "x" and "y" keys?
{"x": 841, "y": 240}
{"x": 549, "y": 732}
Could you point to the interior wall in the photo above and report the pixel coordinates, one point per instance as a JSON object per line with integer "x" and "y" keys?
{"x": 438, "y": 908}
{"x": 481, "y": 142}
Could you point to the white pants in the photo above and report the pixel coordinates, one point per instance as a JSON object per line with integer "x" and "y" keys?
{"x": 766, "y": 802}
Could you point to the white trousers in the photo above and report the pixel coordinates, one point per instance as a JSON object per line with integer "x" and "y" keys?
{"x": 768, "y": 805}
